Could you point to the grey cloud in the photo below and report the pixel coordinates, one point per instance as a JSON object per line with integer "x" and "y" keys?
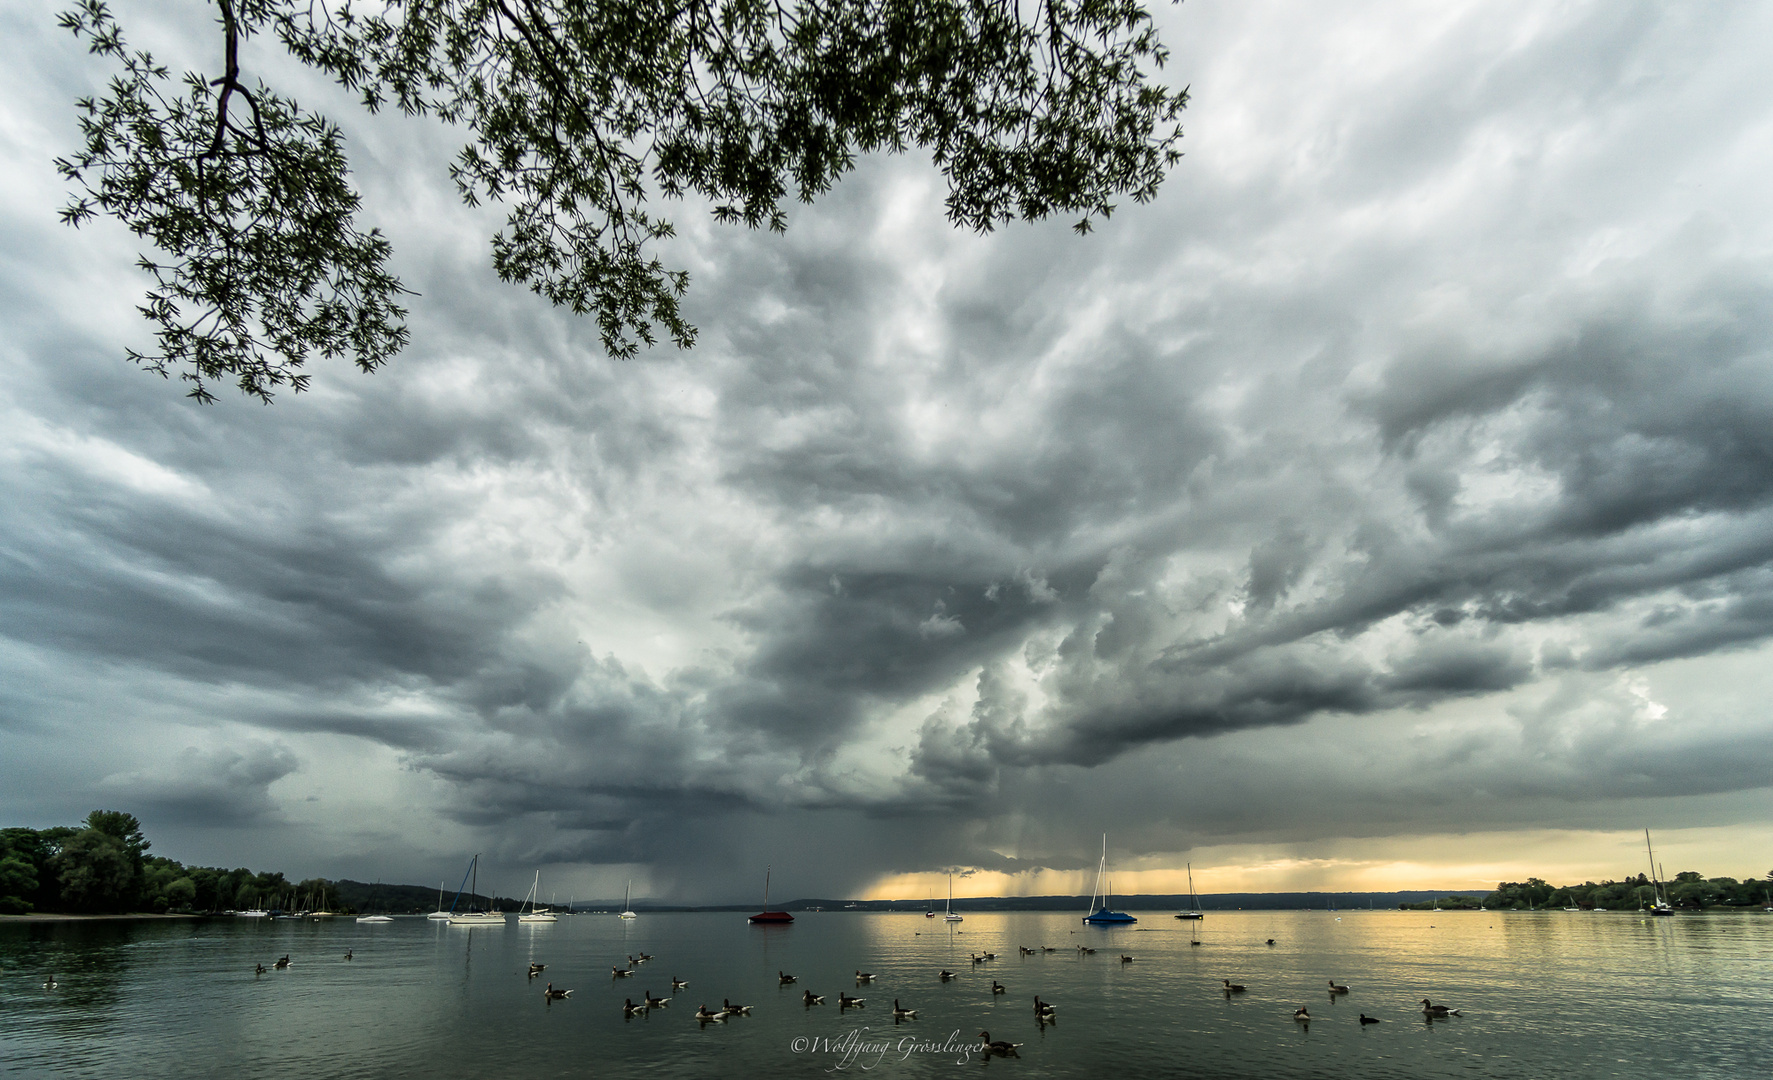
{"x": 207, "y": 787}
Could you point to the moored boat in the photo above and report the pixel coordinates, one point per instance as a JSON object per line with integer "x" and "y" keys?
{"x": 474, "y": 917}
{"x": 1104, "y": 915}
{"x": 1661, "y": 906}
{"x": 1194, "y": 911}
{"x": 766, "y": 916}
{"x": 530, "y": 912}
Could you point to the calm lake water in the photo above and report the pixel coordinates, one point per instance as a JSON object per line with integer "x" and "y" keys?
{"x": 1542, "y": 995}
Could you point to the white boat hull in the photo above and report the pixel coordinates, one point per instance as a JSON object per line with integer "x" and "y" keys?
{"x": 477, "y": 919}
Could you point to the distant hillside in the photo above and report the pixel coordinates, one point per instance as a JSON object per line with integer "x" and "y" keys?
{"x": 411, "y": 899}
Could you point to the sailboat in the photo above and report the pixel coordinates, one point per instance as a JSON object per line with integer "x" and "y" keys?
{"x": 1103, "y": 916}
{"x": 471, "y": 917}
{"x": 627, "y": 912}
{"x": 1661, "y": 906}
{"x": 532, "y": 913}
{"x": 766, "y": 916}
{"x": 1193, "y": 911}
{"x": 439, "y": 915}
{"x": 948, "y": 912}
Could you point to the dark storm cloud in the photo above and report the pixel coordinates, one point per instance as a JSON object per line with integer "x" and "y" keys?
{"x": 208, "y": 788}
{"x": 187, "y": 589}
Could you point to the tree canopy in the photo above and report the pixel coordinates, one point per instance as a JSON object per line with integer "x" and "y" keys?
{"x": 583, "y": 115}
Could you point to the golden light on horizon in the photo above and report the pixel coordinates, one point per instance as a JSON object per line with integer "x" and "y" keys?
{"x": 1465, "y": 864}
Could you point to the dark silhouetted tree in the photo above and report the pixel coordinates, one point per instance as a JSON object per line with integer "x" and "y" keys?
{"x": 580, "y": 117}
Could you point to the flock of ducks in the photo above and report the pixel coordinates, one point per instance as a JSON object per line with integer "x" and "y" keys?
{"x": 280, "y": 964}
{"x": 1044, "y": 1012}
{"x": 1303, "y": 1015}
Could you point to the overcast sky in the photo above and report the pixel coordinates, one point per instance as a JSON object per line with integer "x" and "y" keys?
{"x": 1388, "y": 504}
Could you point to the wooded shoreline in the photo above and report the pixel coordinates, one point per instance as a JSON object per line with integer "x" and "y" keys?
{"x": 103, "y": 870}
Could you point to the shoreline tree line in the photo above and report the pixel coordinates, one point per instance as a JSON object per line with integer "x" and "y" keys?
{"x": 102, "y": 867}
{"x": 1688, "y": 889}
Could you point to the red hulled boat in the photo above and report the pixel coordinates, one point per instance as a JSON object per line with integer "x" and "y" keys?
{"x": 767, "y": 916}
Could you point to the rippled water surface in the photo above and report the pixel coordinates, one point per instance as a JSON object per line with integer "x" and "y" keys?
{"x": 1541, "y": 995}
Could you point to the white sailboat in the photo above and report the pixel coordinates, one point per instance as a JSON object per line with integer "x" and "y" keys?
{"x": 530, "y": 912}
{"x": 476, "y": 918}
{"x": 948, "y": 911}
{"x": 1194, "y": 911}
{"x": 439, "y": 915}
{"x": 627, "y": 912}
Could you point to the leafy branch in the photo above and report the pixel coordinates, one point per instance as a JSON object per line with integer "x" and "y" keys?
{"x": 581, "y": 113}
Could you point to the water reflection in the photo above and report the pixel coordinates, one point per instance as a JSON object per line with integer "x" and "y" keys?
{"x": 423, "y": 998}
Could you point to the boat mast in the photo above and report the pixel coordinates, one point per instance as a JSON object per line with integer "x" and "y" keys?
{"x": 1655, "y": 876}
{"x": 1100, "y": 868}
